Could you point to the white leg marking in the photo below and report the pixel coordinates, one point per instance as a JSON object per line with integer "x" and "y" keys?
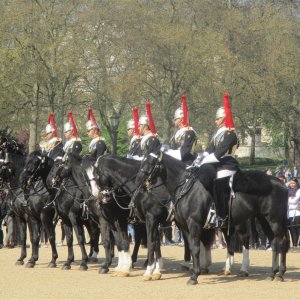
{"x": 149, "y": 270}
{"x": 120, "y": 262}
{"x": 229, "y": 262}
{"x": 246, "y": 260}
{"x": 127, "y": 262}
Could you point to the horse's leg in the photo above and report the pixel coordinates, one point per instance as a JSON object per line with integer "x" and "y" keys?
{"x": 185, "y": 266}
{"x": 245, "y": 238}
{"x": 205, "y": 258}
{"x": 230, "y": 250}
{"x": 152, "y": 236}
{"x": 23, "y": 235}
{"x": 47, "y": 220}
{"x": 123, "y": 245}
{"x": 159, "y": 261}
{"x": 79, "y": 231}
{"x": 279, "y": 246}
{"x": 34, "y": 230}
{"x": 69, "y": 238}
{"x": 137, "y": 244}
{"x": 106, "y": 239}
{"x": 94, "y": 249}
{"x": 194, "y": 242}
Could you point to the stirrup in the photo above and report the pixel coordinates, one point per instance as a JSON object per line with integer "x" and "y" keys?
{"x": 211, "y": 219}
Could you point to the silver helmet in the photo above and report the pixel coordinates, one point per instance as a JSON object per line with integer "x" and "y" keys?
{"x": 130, "y": 124}
{"x": 143, "y": 120}
{"x": 68, "y": 126}
{"x": 178, "y": 113}
{"x": 49, "y": 128}
{"x": 90, "y": 125}
{"x": 220, "y": 113}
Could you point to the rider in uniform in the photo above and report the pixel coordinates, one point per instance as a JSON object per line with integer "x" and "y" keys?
{"x": 73, "y": 145}
{"x": 184, "y": 140}
{"x": 97, "y": 145}
{"x": 53, "y": 144}
{"x": 220, "y": 152}
{"x": 135, "y": 150}
{"x": 149, "y": 142}
{"x": 73, "y": 142}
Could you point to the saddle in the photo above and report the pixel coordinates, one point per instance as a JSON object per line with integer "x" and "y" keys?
{"x": 252, "y": 182}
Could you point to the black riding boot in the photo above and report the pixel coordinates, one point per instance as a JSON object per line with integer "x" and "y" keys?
{"x": 221, "y": 198}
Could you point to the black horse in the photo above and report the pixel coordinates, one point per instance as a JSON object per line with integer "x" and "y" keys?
{"x": 28, "y": 207}
{"x": 256, "y": 194}
{"x": 150, "y": 205}
{"x": 67, "y": 199}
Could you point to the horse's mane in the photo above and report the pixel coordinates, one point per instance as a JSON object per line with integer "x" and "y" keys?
{"x": 252, "y": 182}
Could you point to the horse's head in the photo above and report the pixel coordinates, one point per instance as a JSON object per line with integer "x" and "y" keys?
{"x": 149, "y": 170}
{"x": 58, "y": 172}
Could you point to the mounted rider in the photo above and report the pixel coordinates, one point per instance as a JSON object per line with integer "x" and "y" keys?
{"x": 53, "y": 144}
{"x": 97, "y": 145}
{"x": 73, "y": 145}
{"x": 149, "y": 142}
{"x": 184, "y": 140}
{"x": 133, "y": 132}
{"x": 73, "y": 142}
{"x": 220, "y": 152}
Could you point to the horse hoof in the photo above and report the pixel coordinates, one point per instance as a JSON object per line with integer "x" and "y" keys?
{"x": 30, "y": 265}
{"x": 192, "y": 282}
{"x": 103, "y": 270}
{"x": 204, "y": 271}
{"x": 147, "y": 277}
{"x": 279, "y": 278}
{"x": 83, "y": 267}
{"x": 115, "y": 274}
{"x": 227, "y": 273}
{"x": 270, "y": 278}
{"x": 156, "y": 276}
{"x": 19, "y": 262}
{"x": 122, "y": 274}
{"x": 243, "y": 274}
{"x": 52, "y": 265}
{"x": 93, "y": 259}
{"x": 66, "y": 267}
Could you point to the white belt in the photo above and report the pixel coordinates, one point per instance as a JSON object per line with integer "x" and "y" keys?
{"x": 225, "y": 173}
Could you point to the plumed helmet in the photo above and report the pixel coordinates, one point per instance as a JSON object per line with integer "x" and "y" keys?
{"x": 143, "y": 120}
{"x": 49, "y": 128}
{"x": 90, "y": 125}
{"x": 130, "y": 124}
{"x": 68, "y": 126}
{"x": 178, "y": 113}
{"x": 220, "y": 113}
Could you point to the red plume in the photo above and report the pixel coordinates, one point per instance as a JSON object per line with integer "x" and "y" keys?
{"x": 135, "y": 113}
{"x": 228, "y": 115}
{"x": 149, "y": 114}
{"x": 185, "y": 121}
{"x": 71, "y": 120}
{"x": 91, "y": 117}
{"x": 52, "y": 122}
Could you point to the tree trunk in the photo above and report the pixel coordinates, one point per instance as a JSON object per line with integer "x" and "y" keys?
{"x": 32, "y": 137}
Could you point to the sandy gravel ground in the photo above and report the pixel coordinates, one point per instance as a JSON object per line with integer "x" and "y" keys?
{"x": 17, "y": 282}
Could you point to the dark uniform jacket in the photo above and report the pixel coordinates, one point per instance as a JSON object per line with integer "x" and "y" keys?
{"x": 97, "y": 147}
{"x": 73, "y": 146}
{"x": 150, "y": 144}
{"x": 135, "y": 146}
{"x": 224, "y": 144}
{"x": 184, "y": 140}
{"x": 55, "y": 148}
